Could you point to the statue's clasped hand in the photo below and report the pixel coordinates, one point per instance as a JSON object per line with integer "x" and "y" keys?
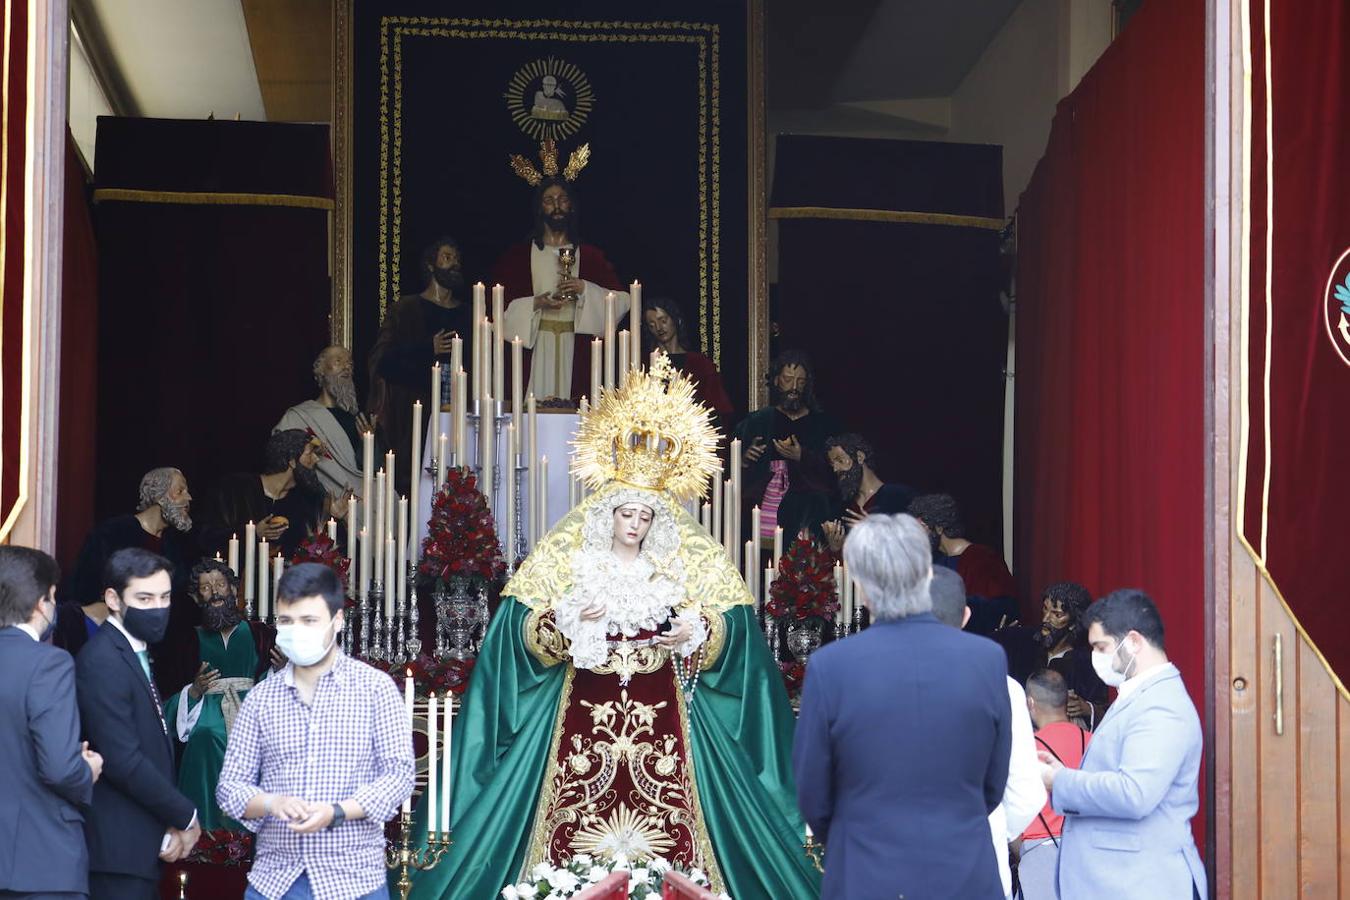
{"x": 678, "y": 634}
{"x": 592, "y": 612}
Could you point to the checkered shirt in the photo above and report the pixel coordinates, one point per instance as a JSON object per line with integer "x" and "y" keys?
{"x": 352, "y": 743}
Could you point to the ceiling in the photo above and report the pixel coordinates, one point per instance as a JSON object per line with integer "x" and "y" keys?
{"x": 270, "y": 59}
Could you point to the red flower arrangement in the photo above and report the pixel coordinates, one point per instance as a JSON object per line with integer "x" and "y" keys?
{"x": 794, "y": 673}
{"x": 430, "y": 675}
{"x": 804, "y": 586}
{"x": 319, "y": 548}
{"x": 461, "y": 539}
{"x": 222, "y": 847}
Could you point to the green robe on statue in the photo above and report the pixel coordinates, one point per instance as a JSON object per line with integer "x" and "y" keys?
{"x": 201, "y": 723}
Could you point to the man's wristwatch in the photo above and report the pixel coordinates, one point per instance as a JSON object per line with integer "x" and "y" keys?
{"x": 339, "y": 816}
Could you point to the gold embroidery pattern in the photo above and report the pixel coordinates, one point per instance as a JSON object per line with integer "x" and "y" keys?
{"x": 543, "y": 640}
{"x": 704, "y": 36}
{"x": 717, "y": 640}
{"x": 548, "y": 790}
{"x": 700, "y": 825}
{"x": 627, "y": 659}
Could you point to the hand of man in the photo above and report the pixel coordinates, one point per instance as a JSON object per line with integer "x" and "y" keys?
{"x": 789, "y": 449}
{"x": 278, "y": 659}
{"x": 571, "y": 286}
{"x": 172, "y": 847}
{"x": 318, "y": 816}
{"x": 188, "y": 839}
{"x": 272, "y": 527}
{"x": 1078, "y": 708}
{"x": 593, "y": 612}
{"x": 753, "y": 452}
{"x": 679, "y": 633}
{"x": 206, "y": 676}
{"x": 1049, "y": 768}
{"x": 290, "y": 809}
{"x": 93, "y": 760}
{"x": 548, "y": 301}
{"x": 441, "y": 342}
{"x": 834, "y": 535}
{"x": 366, "y": 422}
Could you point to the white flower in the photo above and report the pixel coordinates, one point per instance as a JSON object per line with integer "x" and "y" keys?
{"x": 554, "y": 895}
{"x": 564, "y": 881}
{"x": 526, "y": 890}
{"x": 541, "y": 872}
{"x": 639, "y": 876}
{"x": 597, "y": 873}
{"x": 582, "y": 859}
{"x": 660, "y": 864}
{"x": 697, "y": 876}
{"x": 620, "y": 861}
{"x": 510, "y": 893}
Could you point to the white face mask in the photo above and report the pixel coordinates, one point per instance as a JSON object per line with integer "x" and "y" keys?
{"x": 1102, "y": 665}
{"x": 302, "y": 645}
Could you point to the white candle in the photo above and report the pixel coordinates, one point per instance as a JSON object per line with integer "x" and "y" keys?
{"x": 444, "y": 451}
{"x": 635, "y": 324}
{"x": 364, "y": 564}
{"x": 377, "y": 535}
{"x": 573, "y": 487}
{"x": 498, "y": 342}
{"x": 735, "y": 516}
{"x": 390, "y": 559}
{"x": 456, "y": 354}
{"x": 717, "y": 517}
{"x": 609, "y": 340}
{"x": 479, "y": 312}
{"x": 279, "y": 568}
{"x": 367, "y": 469}
{"x": 445, "y": 761}
{"x": 777, "y": 544}
{"x": 388, "y": 503}
{"x": 433, "y": 799}
{"x": 754, "y": 531}
{"x": 543, "y": 495}
{"x": 510, "y": 498}
{"x": 415, "y": 466}
{"x": 351, "y": 548}
{"x": 597, "y": 366}
{"x": 264, "y": 573}
{"x": 769, "y": 575}
{"x": 485, "y": 340}
{"x": 839, "y": 591}
{"x": 460, "y": 436}
{"x": 729, "y": 535}
{"x": 435, "y": 388}
{"x": 750, "y": 566}
{"x": 332, "y": 529}
{"x": 402, "y": 571}
{"x": 250, "y": 549}
{"x": 808, "y": 832}
{"x": 233, "y": 555}
{"x": 532, "y": 453}
{"x": 517, "y": 377}
{"x": 625, "y": 355}
{"x": 408, "y": 705}
{"x": 485, "y": 451}
{"x": 705, "y": 516}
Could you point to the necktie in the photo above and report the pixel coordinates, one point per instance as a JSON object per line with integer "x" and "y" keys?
{"x": 144, "y": 657}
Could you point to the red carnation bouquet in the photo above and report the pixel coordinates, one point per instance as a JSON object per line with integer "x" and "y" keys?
{"x": 223, "y": 847}
{"x": 319, "y": 548}
{"x": 430, "y": 675}
{"x": 461, "y": 539}
{"x": 804, "y": 586}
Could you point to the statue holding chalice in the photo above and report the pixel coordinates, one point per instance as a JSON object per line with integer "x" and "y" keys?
{"x": 567, "y": 261}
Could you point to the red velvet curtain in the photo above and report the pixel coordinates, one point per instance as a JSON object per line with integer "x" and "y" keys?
{"x": 14, "y": 40}
{"x": 1297, "y": 522}
{"x": 1110, "y": 333}
{"x": 76, "y": 447}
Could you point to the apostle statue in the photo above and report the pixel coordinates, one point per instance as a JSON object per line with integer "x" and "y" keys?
{"x": 229, "y": 656}
{"x": 624, "y": 705}
{"x": 551, "y": 313}
{"x": 335, "y": 418}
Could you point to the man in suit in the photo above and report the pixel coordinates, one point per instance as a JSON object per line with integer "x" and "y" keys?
{"x": 139, "y": 817}
{"x": 1127, "y": 808}
{"x": 46, "y": 775}
{"x": 902, "y": 747}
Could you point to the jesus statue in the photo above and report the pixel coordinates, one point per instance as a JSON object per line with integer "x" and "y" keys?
{"x": 624, "y": 705}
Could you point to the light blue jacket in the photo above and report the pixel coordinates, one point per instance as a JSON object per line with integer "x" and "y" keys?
{"x": 1127, "y": 809}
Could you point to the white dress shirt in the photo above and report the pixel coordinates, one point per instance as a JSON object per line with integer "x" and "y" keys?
{"x": 136, "y": 643}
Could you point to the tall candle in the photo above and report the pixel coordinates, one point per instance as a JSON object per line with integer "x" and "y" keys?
{"x": 573, "y": 487}
{"x": 377, "y": 535}
{"x": 351, "y": 547}
{"x": 635, "y": 324}
{"x": 486, "y": 357}
{"x": 278, "y": 569}
{"x": 367, "y": 470}
{"x": 402, "y": 571}
{"x": 609, "y": 340}
{"x": 264, "y": 575}
{"x": 445, "y": 761}
{"x": 517, "y": 378}
{"x": 729, "y": 536}
{"x": 363, "y": 566}
{"x": 456, "y": 354}
{"x": 478, "y": 313}
{"x": 486, "y": 456}
{"x": 433, "y": 799}
{"x": 498, "y": 342}
{"x": 777, "y": 544}
{"x": 415, "y": 467}
{"x": 250, "y": 548}
{"x": 435, "y": 387}
{"x": 717, "y": 518}
{"x": 408, "y": 705}
{"x": 735, "y": 516}
{"x": 444, "y": 454}
{"x": 233, "y": 555}
{"x": 839, "y": 591}
{"x": 510, "y": 498}
{"x": 750, "y": 566}
{"x": 543, "y": 495}
{"x": 390, "y": 560}
{"x": 754, "y": 531}
{"x": 532, "y": 453}
{"x": 625, "y": 357}
{"x": 460, "y": 437}
{"x": 705, "y": 516}
{"x": 332, "y": 529}
{"x": 597, "y": 366}
{"x": 769, "y": 574}
{"x": 388, "y": 501}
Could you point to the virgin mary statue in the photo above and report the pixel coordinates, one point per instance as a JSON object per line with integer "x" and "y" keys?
{"x": 624, "y": 704}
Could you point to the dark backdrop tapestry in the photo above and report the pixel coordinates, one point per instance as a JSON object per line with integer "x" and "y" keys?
{"x": 1110, "y": 420}
{"x": 1296, "y": 493}
{"x": 214, "y": 293}
{"x": 889, "y": 275}
{"x": 658, "y": 91}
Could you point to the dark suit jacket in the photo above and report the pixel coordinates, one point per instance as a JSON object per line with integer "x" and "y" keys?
{"x": 901, "y": 753}
{"x": 137, "y": 798}
{"x": 43, "y": 778}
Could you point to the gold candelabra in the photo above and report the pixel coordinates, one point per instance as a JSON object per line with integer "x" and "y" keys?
{"x": 405, "y": 857}
{"x": 814, "y": 852}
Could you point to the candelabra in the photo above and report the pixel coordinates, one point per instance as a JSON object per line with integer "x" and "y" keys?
{"x": 405, "y": 858}
{"x": 412, "y": 646}
{"x": 517, "y": 545}
{"x": 814, "y": 852}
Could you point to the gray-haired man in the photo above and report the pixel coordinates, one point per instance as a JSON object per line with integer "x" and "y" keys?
{"x": 901, "y": 751}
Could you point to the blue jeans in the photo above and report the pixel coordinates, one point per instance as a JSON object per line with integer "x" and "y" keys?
{"x": 299, "y": 890}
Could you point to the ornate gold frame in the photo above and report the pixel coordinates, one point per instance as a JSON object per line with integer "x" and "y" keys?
{"x": 757, "y": 290}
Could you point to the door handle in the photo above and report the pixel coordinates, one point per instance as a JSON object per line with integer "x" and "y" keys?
{"x": 1279, "y": 683}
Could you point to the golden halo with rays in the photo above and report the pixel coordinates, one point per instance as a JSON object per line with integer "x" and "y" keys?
{"x": 651, "y": 434}
{"x": 575, "y": 89}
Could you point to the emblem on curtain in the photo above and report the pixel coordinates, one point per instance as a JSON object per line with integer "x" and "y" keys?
{"x": 549, "y": 99}
{"x": 1336, "y": 305}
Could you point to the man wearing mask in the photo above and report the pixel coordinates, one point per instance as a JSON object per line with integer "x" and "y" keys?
{"x": 229, "y": 655}
{"x": 46, "y": 775}
{"x": 1127, "y": 808}
{"x": 138, "y": 816}
{"x": 417, "y": 332}
{"x": 319, "y": 819}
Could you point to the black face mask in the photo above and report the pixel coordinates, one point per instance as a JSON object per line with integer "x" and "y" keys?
{"x": 221, "y": 616}
{"x": 51, "y": 623}
{"x": 148, "y": 625}
{"x": 450, "y": 279}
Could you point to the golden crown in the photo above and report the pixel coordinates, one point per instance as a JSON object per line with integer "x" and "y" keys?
{"x": 548, "y": 159}
{"x": 651, "y": 434}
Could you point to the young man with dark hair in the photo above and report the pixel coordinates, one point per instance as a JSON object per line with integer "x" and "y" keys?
{"x": 1137, "y": 788}
{"x": 320, "y": 756}
{"x": 139, "y": 816}
{"x": 990, "y": 589}
{"x": 46, "y": 774}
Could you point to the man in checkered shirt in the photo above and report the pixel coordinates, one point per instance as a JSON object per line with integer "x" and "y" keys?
{"x": 319, "y": 758}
